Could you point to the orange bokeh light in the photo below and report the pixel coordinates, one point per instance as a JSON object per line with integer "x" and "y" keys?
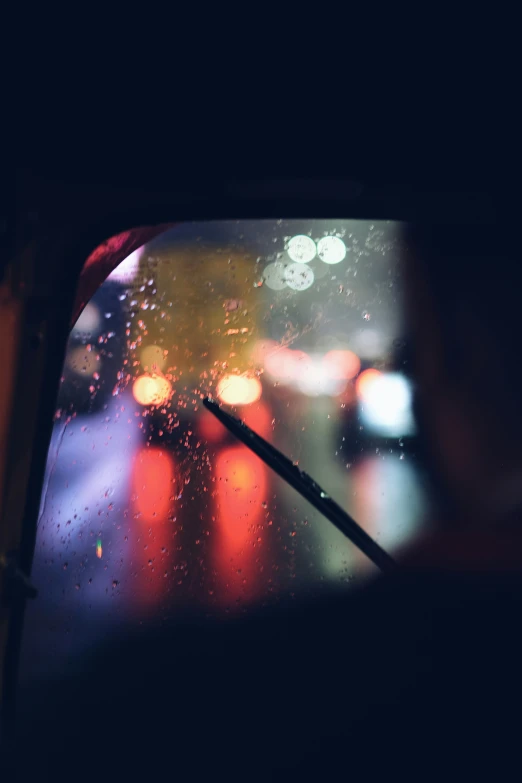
{"x": 241, "y": 486}
{"x": 365, "y": 381}
{"x": 342, "y": 364}
{"x": 151, "y": 390}
{"x": 238, "y": 390}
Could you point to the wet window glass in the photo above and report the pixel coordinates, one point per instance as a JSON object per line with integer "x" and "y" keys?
{"x": 150, "y": 507}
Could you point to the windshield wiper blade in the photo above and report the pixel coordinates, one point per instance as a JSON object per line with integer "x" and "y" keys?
{"x": 305, "y": 485}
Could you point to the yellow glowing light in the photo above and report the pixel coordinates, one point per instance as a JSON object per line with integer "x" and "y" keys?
{"x": 152, "y": 358}
{"x": 83, "y": 362}
{"x": 151, "y": 390}
{"x": 99, "y": 549}
{"x": 238, "y": 390}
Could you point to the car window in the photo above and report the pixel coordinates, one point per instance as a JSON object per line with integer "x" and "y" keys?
{"x": 150, "y": 507}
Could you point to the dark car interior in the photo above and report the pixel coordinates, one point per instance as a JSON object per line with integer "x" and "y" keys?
{"x": 286, "y": 598}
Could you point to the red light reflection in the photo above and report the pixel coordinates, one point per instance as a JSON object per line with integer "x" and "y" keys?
{"x": 152, "y": 496}
{"x": 152, "y": 484}
{"x": 256, "y": 416}
{"x": 259, "y": 418}
{"x": 211, "y": 428}
{"x": 241, "y": 487}
{"x": 286, "y": 364}
{"x": 367, "y": 500}
{"x": 342, "y": 364}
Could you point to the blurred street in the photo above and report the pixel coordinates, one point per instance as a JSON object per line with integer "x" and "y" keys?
{"x": 150, "y": 507}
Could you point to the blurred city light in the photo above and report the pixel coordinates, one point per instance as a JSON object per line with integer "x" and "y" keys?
{"x": 342, "y": 364}
{"x": 370, "y": 344}
{"x": 89, "y": 322}
{"x": 151, "y": 390}
{"x": 83, "y": 362}
{"x": 285, "y": 364}
{"x": 128, "y": 269}
{"x": 365, "y": 381}
{"x": 238, "y": 390}
{"x": 210, "y": 428}
{"x": 152, "y": 484}
{"x": 331, "y": 250}
{"x": 301, "y": 249}
{"x": 386, "y": 404}
{"x": 154, "y": 473}
{"x": 153, "y": 358}
{"x": 259, "y": 418}
{"x": 264, "y": 348}
{"x": 314, "y": 379}
{"x": 241, "y": 486}
{"x": 274, "y": 276}
{"x": 279, "y": 363}
{"x": 299, "y": 277}
{"x": 313, "y": 375}
{"x": 239, "y": 504}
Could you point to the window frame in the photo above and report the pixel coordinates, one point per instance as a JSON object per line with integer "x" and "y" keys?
{"x": 45, "y": 286}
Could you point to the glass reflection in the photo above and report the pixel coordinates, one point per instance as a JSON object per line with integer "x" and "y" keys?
{"x": 241, "y": 487}
{"x": 152, "y": 501}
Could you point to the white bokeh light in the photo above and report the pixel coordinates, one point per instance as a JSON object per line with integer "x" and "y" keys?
{"x": 274, "y": 276}
{"x": 89, "y": 322}
{"x": 370, "y": 343}
{"x": 301, "y": 249}
{"x": 299, "y": 277}
{"x": 127, "y": 270}
{"x": 331, "y": 250}
{"x": 314, "y": 380}
{"x": 386, "y": 407}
